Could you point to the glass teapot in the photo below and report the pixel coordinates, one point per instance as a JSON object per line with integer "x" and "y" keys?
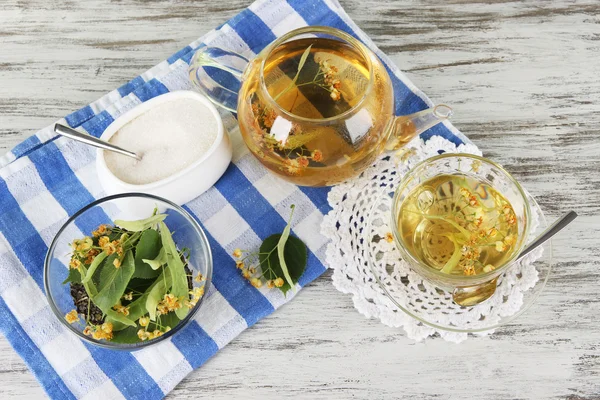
{"x": 316, "y": 106}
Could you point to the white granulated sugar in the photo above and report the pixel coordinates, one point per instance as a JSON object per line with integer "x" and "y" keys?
{"x": 169, "y": 137}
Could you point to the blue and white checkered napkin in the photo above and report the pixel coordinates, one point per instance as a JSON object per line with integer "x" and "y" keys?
{"x": 45, "y": 179}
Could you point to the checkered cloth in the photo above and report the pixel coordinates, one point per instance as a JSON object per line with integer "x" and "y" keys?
{"x": 45, "y": 179}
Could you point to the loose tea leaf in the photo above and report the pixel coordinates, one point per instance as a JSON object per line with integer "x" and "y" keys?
{"x": 176, "y": 269}
{"x": 295, "y": 255}
{"x": 148, "y": 247}
{"x": 112, "y": 288}
{"x": 142, "y": 224}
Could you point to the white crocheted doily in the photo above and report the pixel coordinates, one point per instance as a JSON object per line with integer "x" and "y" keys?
{"x": 360, "y": 216}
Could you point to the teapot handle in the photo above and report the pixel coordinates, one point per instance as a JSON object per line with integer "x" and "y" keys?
{"x": 221, "y": 82}
{"x": 406, "y": 127}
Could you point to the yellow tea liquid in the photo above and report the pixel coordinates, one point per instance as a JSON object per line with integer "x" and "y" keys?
{"x": 300, "y": 126}
{"x": 458, "y": 225}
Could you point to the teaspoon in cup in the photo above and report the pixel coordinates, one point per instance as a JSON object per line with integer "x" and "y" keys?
{"x": 472, "y": 295}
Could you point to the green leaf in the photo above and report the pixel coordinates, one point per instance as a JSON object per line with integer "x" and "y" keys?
{"x": 148, "y": 247}
{"x": 295, "y": 255}
{"x": 159, "y": 261}
{"x": 95, "y": 264}
{"x": 90, "y": 288}
{"x": 142, "y": 224}
{"x": 303, "y": 59}
{"x": 169, "y": 319}
{"x": 176, "y": 269}
{"x": 137, "y": 308}
{"x": 105, "y": 269}
{"x": 138, "y": 285}
{"x": 155, "y": 295}
{"x": 280, "y": 252}
{"x": 73, "y": 277}
{"x": 115, "y": 317}
{"x": 112, "y": 288}
{"x": 126, "y": 336}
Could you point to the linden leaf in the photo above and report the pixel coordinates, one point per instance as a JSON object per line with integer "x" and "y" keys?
{"x": 155, "y": 295}
{"x": 176, "y": 269}
{"x": 125, "y": 336}
{"x": 115, "y": 317}
{"x": 142, "y": 224}
{"x": 148, "y": 247}
{"x": 74, "y": 276}
{"x": 95, "y": 264}
{"x": 113, "y": 286}
{"x": 300, "y": 66}
{"x": 159, "y": 261}
{"x": 295, "y": 255}
{"x": 90, "y": 288}
{"x": 280, "y": 252}
{"x": 105, "y": 269}
{"x": 138, "y": 307}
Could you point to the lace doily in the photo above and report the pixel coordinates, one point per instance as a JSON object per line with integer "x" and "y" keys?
{"x": 367, "y": 267}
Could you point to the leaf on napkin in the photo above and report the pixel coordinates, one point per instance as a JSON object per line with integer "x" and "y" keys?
{"x": 295, "y": 256}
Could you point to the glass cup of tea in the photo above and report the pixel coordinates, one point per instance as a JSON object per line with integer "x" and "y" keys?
{"x": 316, "y": 106}
{"x": 460, "y": 221}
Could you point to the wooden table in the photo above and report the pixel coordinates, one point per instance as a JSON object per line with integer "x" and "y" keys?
{"x": 524, "y": 79}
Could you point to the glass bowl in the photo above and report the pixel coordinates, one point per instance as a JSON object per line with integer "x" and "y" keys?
{"x": 128, "y": 206}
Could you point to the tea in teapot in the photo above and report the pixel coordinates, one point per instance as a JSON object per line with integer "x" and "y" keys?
{"x": 316, "y": 107}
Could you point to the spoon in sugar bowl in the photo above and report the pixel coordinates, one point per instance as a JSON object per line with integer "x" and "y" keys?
{"x": 92, "y": 141}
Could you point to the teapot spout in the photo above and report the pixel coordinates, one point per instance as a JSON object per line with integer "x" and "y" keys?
{"x": 406, "y": 127}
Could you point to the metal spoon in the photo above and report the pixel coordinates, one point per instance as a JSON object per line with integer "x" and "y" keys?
{"x": 92, "y": 141}
{"x": 472, "y": 295}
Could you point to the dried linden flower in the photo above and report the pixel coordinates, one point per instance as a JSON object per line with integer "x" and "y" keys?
{"x": 72, "y": 316}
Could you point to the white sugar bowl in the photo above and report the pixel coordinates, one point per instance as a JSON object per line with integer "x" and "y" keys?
{"x": 185, "y": 184}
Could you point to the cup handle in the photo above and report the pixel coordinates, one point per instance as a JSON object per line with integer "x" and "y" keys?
{"x": 221, "y": 84}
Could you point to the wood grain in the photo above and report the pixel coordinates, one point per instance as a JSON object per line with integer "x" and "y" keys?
{"x": 523, "y": 78}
